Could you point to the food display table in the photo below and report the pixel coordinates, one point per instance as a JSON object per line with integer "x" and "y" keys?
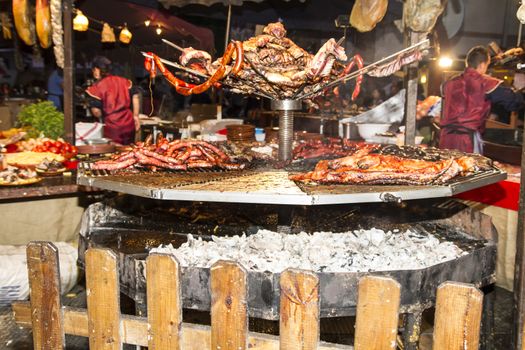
{"x": 50, "y": 186}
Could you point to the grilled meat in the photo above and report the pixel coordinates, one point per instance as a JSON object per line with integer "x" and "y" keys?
{"x": 395, "y": 165}
{"x": 174, "y": 155}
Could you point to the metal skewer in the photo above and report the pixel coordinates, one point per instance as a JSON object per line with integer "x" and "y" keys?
{"x": 178, "y": 66}
{"x": 202, "y": 75}
{"x": 366, "y": 69}
{"x": 181, "y": 49}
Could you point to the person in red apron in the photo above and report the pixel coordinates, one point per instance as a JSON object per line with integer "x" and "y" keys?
{"x": 112, "y": 97}
{"x": 467, "y": 101}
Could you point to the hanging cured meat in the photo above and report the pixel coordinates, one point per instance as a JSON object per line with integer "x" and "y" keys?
{"x": 58, "y": 42}
{"x": 367, "y": 13}
{"x": 23, "y": 21}
{"x": 421, "y": 15}
{"x": 43, "y": 23}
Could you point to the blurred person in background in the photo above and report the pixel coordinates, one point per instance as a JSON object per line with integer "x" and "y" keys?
{"x": 55, "y": 88}
{"x": 467, "y": 102}
{"x": 111, "y": 98}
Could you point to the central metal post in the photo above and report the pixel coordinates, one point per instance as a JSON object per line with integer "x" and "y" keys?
{"x": 286, "y": 108}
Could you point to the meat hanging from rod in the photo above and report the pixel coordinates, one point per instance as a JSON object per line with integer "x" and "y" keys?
{"x": 153, "y": 61}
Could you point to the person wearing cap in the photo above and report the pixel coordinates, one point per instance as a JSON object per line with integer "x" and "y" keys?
{"x": 467, "y": 101}
{"x": 111, "y": 98}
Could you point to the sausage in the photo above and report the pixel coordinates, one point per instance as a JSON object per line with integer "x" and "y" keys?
{"x": 187, "y": 89}
{"x": 43, "y": 23}
{"x": 22, "y": 21}
{"x": 356, "y": 60}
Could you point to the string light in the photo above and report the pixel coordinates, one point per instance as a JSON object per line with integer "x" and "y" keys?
{"x": 147, "y": 22}
{"x": 125, "y": 35}
{"x": 445, "y": 62}
{"x": 158, "y": 30}
{"x": 80, "y": 22}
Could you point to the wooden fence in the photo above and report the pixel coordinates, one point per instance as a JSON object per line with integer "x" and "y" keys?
{"x": 457, "y": 317}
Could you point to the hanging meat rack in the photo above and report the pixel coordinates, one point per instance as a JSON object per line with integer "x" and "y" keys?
{"x": 286, "y": 105}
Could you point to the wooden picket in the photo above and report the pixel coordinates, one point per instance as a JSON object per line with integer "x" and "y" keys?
{"x": 457, "y": 322}
{"x": 164, "y": 302}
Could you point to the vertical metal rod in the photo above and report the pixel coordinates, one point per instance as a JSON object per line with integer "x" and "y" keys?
{"x": 285, "y": 135}
{"x": 69, "y": 73}
{"x": 286, "y": 108}
{"x": 411, "y": 94}
{"x": 519, "y": 35}
{"x": 228, "y": 20}
{"x": 519, "y": 265}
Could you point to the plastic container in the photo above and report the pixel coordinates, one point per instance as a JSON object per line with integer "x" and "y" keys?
{"x": 368, "y": 131}
{"x": 259, "y": 134}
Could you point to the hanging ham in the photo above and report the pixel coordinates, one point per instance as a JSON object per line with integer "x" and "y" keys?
{"x": 23, "y": 21}
{"x": 43, "y": 23}
{"x": 366, "y": 14}
{"x": 421, "y": 15}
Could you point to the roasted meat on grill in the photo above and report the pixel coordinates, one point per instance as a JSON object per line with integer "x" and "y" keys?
{"x": 174, "y": 155}
{"x": 381, "y": 165}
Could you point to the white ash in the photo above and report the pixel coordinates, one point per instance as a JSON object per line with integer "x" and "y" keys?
{"x": 353, "y": 251}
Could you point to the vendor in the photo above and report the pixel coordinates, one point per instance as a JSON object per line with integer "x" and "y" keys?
{"x": 467, "y": 102}
{"x": 111, "y": 97}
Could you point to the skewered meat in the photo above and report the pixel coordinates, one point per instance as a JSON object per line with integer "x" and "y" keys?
{"x": 174, "y": 155}
{"x": 43, "y": 23}
{"x": 23, "y": 22}
{"x": 323, "y": 61}
{"x": 153, "y": 61}
{"x": 421, "y": 15}
{"x": 196, "y": 59}
{"x": 58, "y": 32}
{"x": 379, "y": 165}
{"x": 367, "y": 13}
{"x": 275, "y": 29}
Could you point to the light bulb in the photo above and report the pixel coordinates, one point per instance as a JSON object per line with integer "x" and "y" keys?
{"x": 80, "y": 22}
{"x": 147, "y": 22}
{"x": 445, "y": 62}
{"x": 125, "y": 35}
{"x": 159, "y": 30}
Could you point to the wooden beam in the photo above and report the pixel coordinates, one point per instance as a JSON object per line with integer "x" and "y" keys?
{"x": 229, "y": 312}
{"x": 135, "y": 330}
{"x": 103, "y": 303}
{"x": 377, "y": 313}
{"x": 458, "y": 316}
{"x": 299, "y": 321}
{"x": 519, "y": 270}
{"x": 69, "y": 73}
{"x": 44, "y": 291}
{"x": 411, "y": 82}
{"x": 164, "y": 302}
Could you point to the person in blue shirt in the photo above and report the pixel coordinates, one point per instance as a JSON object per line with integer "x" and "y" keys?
{"x": 55, "y": 89}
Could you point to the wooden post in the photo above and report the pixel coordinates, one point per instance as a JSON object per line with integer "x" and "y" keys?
{"x": 411, "y": 80}
{"x": 164, "y": 302}
{"x": 377, "y": 313}
{"x": 458, "y": 316}
{"x": 229, "y": 313}
{"x": 69, "y": 74}
{"x": 44, "y": 289}
{"x": 103, "y": 304}
{"x": 299, "y": 321}
{"x": 519, "y": 266}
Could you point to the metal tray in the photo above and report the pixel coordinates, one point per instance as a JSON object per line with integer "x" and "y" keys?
{"x": 271, "y": 187}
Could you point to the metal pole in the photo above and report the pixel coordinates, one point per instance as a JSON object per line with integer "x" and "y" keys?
{"x": 411, "y": 93}
{"x": 228, "y": 20}
{"x": 519, "y": 265}
{"x": 519, "y": 35}
{"x": 69, "y": 73}
{"x": 286, "y": 108}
